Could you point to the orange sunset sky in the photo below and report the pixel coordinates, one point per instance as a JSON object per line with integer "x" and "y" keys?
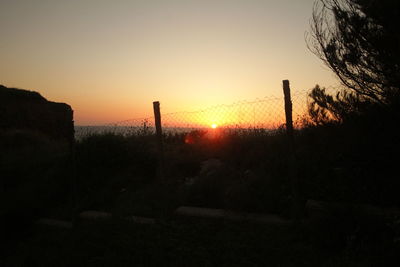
{"x": 111, "y": 59}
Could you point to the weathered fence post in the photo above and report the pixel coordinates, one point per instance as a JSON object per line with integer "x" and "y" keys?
{"x": 157, "y": 119}
{"x": 291, "y": 151}
{"x": 288, "y": 111}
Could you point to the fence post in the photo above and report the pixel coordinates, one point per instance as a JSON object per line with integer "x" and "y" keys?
{"x": 157, "y": 118}
{"x": 296, "y": 211}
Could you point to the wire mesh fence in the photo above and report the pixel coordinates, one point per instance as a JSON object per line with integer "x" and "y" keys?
{"x": 266, "y": 113}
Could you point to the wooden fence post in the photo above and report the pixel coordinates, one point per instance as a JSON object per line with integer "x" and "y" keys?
{"x": 288, "y": 111}
{"x": 296, "y": 212}
{"x": 157, "y": 119}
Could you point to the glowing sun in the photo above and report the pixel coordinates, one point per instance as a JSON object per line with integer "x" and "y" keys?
{"x": 214, "y": 126}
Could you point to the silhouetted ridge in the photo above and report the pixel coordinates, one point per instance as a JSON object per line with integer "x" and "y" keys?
{"x": 25, "y": 110}
{"x": 20, "y": 94}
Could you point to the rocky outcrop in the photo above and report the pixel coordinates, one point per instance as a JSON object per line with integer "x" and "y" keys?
{"x": 28, "y": 110}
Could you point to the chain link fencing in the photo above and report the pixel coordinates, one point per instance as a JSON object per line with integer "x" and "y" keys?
{"x": 266, "y": 113}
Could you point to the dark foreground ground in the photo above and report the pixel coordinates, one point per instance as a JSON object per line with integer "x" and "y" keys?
{"x": 190, "y": 242}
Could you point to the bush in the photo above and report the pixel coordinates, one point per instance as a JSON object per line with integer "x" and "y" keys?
{"x": 108, "y": 163}
{"x": 35, "y": 178}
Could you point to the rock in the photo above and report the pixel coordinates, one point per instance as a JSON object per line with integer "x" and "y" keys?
{"x": 209, "y": 167}
{"x": 320, "y": 209}
{"x": 141, "y": 220}
{"x": 28, "y": 110}
{"x": 231, "y": 215}
{"x": 95, "y": 215}
{"x": 100, "y": 215}
{"x": 54, "y": 223}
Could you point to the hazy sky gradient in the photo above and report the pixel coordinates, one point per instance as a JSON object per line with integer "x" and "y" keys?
{"x": 110, "y": 59}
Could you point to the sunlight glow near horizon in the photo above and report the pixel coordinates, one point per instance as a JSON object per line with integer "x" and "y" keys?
{"x": 111, "y": 59}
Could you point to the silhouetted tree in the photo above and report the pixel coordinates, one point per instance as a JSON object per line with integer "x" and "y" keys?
{"x": 360, "y": 42}
{"x": 325, "y": 108}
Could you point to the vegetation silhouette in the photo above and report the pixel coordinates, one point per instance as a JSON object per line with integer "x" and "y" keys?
{"x": 359, "y": 41}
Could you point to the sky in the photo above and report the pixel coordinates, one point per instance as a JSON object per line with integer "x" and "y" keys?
{"x": 110, "y": 59}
